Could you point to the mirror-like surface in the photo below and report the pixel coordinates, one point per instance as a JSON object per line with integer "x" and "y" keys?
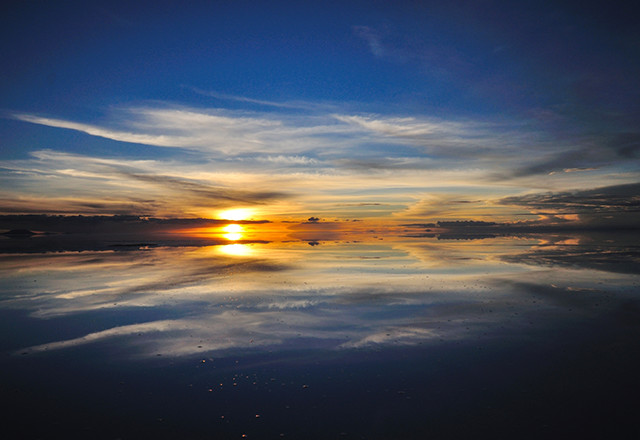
{"x": 390, "y": 336}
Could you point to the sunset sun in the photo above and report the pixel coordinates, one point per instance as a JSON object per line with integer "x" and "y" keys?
{"x": 233, "y": 232}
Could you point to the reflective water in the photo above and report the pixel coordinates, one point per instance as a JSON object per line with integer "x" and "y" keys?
{"x": 378, "y": 336}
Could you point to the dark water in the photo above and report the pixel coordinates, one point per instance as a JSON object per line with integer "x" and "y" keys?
{"x": 405, "y": 338}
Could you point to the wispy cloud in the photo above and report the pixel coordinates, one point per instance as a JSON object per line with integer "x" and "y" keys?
{"x": 283, "y": 105}
{"x": 616, "y": 205}
{"x": 55, "y": 182}
{"x": 441, "y": 62}
{"x": 601, "y": 207}
{"x": 452, "y": 205}
{"x": 214, "y": 131}
{"x": 373, "y": 40}
{"x": 500, "y": 146}
{"x": 288, "y": 160}
{"x": 467, "y": 140}
{"x": 248, "y": 157}
{"x": 233, "y": 133}
{"x": 116, "y": 135}
{"x": 617, "y": 198}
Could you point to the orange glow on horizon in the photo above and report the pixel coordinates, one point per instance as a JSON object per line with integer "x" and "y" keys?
{"x": 300, "y": 230}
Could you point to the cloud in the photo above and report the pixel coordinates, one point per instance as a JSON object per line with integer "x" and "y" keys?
{"x": 248, "y": 157}
{"x": 626, "y": 144}
{"x": 44, "y": 204}
{"x": 123, "y": 136}
{"x": 464, "y": 216}
{"x": 584, "y": 159}
{"x": 286, "y": 105}
{"x": 610, "y": 206}
{"x": 454, "y": 143}
{"x": 585, "y": 152}
{"x": 373, "y": 40}
{"x": 605, "y": 208}
{"x": 609, "y": 199}
{"x": 214, "y": 131}
{"x": 294, "y": 138}
{"x": 456, "y": 205}
{"x": 288, "y": 160}
{"x": 441, "y": 62}
{"x": 409, "y": 127}
{"x": 579, "y": 114}
{"x": 55, "y": 182}
{"x": 217, "y": 195}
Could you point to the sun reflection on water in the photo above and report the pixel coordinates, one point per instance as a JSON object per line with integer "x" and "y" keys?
{"x": 236, "y": 250}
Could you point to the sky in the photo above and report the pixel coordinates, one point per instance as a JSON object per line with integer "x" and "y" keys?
{"x": 374, "y": 110}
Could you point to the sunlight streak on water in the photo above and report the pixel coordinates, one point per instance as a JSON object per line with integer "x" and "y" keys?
{"x": 237, "y": 250}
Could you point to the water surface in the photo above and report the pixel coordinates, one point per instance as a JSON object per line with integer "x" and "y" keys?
{"x": 371, "y": 336}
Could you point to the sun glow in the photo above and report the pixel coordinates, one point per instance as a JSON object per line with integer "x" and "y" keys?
{"x": 236, "y": 214}
{"x": 233, "y": 232}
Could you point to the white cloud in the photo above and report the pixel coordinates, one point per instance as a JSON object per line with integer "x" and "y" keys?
{"x": 399, "y": 127}
{"x": 122, "y": 136}
{"x": 232, "y": 133}
{"x": 236, "y": 157}
{"x": 297, "y": 104}
{"x": 288, "y": 160}
{"x": 213, "y": 131}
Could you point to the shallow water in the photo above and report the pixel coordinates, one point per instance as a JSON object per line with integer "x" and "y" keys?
{"x": 393, "y": 337}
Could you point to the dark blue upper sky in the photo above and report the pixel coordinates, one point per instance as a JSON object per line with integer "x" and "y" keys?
{"x": 466, "y": 57}
{"x": 563, "y": 72}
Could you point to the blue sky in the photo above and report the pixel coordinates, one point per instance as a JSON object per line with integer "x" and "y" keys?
{"x": 341, "y": 109}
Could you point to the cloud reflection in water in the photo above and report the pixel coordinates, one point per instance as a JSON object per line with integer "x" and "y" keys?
{"x": 275, "y": 296}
